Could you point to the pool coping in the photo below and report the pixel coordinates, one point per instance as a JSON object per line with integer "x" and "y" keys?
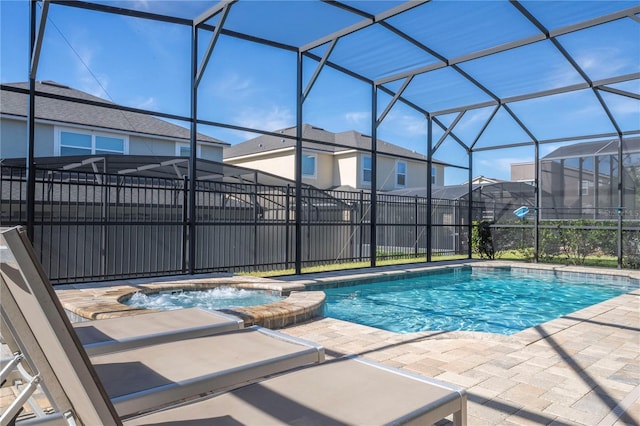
{"x": 305, "y": 299}
{"x": 91, "y": 301}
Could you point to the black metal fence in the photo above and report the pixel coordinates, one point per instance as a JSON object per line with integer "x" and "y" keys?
{"x": 93, "y": 226}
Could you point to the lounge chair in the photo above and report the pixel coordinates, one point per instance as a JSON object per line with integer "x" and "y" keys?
{"x": 137, "y": 380}
{"x": 340, "y": 392}
{"x": 117, "y": 334}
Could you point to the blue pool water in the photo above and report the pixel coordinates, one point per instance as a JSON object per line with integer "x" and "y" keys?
{"x": 493, "y": 301}
{"x": 216, "y": 298}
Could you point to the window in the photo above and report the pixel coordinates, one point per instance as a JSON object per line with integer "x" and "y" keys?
{"x": 77, "y": 142}
{"x": 184, "y": 150}
{"x": 584, "y": 187}
{"x": 434, "y": 175}
{"x": 308, "y": 165}
{"x": 401, "y": 173}
{"x": 366, "y": 170}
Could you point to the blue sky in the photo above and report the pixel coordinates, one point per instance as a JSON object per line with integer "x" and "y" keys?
{"x": 145, "y": 64}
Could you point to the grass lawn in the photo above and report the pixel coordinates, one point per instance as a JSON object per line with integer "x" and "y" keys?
{"x": 599, "y": 261}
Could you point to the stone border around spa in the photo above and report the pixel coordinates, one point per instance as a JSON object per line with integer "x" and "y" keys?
{"x": 103, "y": 300}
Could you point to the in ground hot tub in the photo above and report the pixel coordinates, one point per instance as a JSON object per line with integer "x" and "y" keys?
{"x": 213, "y": 299}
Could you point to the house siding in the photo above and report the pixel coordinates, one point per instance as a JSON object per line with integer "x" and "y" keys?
{"x": 348, "y": 172}
{"x": 213, "y": 153}
{"x": 417, "y": 174}
{"x": 280, "y": 164}
{"x": 324, "y": 172}
{"x": 146, "y": 146}
{"x": 13, "y": 139}
{"x": 13, "y": 142}
{"x": 522, "y": 172}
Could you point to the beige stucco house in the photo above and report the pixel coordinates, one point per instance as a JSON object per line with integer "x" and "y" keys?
{"x": 336, "y": 160}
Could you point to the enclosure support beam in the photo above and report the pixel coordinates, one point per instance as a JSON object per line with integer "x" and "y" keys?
{"x": 470, "y": 207}
{"x": 374, "y": 174}
{"x": 606, "y": 109}
{"x": 298, "y": 165}
{"x": 192, "y": 154}
{"x": 429, "y": 185}
{"x": 35, "y": 43}
{"x": 620, "y": 202}
{"x": 319, "y": 68}
{"x": 448, "y": 131}
{"x": 394, "y": 100}
{"x": 212, "y": 43}
{"x": 620, "y": 92}
{"x": 484, "y": 127}
{"x": 213, "y": 11}
{"x": 536, "y": 198}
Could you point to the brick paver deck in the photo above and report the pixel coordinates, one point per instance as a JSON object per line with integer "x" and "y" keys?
{"x": 583, "y": 369}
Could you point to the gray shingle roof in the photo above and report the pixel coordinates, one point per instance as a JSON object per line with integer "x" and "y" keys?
{"x": 347, "y": 140}
{"x": 62, "y": 111}
{"x": 498, "y": 190}
{"x": 586, "y": 149}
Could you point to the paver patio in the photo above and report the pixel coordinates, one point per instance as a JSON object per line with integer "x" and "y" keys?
{"x": 583, "y": 369}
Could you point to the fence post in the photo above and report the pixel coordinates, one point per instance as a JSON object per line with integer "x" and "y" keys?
{"x": 287, "y": 224}
{"x": 104, "y": 235}
{"x": 619, "y": 232}
{"x": 416, "y": 230}
{"x": 185, "y": 221}
{"x": 361, "y": 224}
{"x": 255, "y": 221}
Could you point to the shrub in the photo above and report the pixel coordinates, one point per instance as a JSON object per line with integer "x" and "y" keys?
{"x": 482, "y": 240}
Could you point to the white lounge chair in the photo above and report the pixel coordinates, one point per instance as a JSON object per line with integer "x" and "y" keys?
{"x": 137, "y": 380}
{"x": 117, "y": 334}
{"x": 345, "y": 391}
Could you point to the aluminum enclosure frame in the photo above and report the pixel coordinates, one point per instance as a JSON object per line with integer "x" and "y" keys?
{"x": 223, "y": 8}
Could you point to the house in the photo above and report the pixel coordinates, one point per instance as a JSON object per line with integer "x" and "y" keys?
{"x": 335, "y": 161}
{"x": 582, "y": 178}
{"x": 64, "y": 127}
{"x": 482, "y": 180}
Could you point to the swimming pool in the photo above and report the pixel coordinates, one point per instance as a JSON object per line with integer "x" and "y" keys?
{"x": 489, "y": 300}
{"x": 216, "y": 298}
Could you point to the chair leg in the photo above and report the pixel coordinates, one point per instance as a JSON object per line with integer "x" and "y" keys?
{"x": 460, "y": 417}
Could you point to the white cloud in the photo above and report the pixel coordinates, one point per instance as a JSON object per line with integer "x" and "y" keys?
{"x": 357, "y": 118}
{"x": 274, "y": 118}
{"x": 140, "y": 4}
{"x": 232, "y": 86}
{"x": 625, "y": 106}
{"x": 406, "y": 125}
{"x": 602, "y": 61}
{"x": 89, "y": 81}
{"x": 148, "y": 103}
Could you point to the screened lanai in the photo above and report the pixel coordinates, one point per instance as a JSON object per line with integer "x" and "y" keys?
{"x": 477, "y": 88}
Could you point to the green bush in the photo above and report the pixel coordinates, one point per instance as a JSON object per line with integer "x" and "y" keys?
{"x": 482, "y": 240}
